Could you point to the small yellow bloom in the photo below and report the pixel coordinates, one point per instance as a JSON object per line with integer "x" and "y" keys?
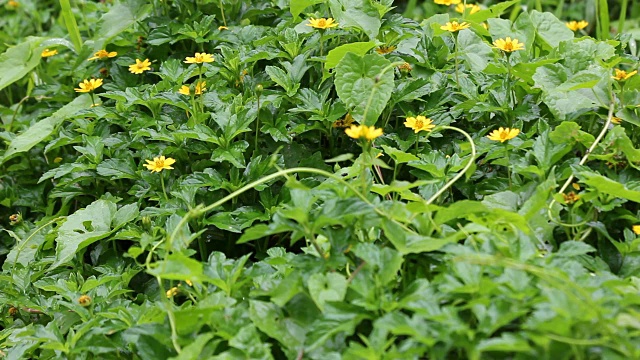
{"x": 508, "y": 45}
{"x": 570, "y": 198}
{"x": 576, "y": 186}
{"x": 13, "y": 311}
{"x": 57, "y": 160}
{"x": 47, "y": 52}
{"x": 503, "y": 134}
{"x": 140, "y": 66}
{"x": 199, "y": 58}
{"x": 322, "y": 23}
{"x": 419, "y": 123}
{"x": 616, "y": 120}
{"x": 363, "y": 131}
{"x": 201, "y": 86}
{"x": 15, "y": 218}
{"x": 159, "y": 163}
{"x": 344, "y": 123}
{"x": 455, "y": 26}
{"x": 636, "y": 229}
{"x": 471, "y": 8}
{"x": 447, "y": 2}
{"x": 89, "y": 85}
{"x": 485, "y": 26}
{"x": 189, "y": 282}
{"x": 103, "y": 54}
{"x": 172, "y": 292}
{"x": 405, "y": 67}
{"x": 382, "y": 50}
{"x": 222, "y": 27}
{"x": 13, "y": 4}
{"x": 84, "y": 300}
{"x": 622, "y": 75}
{"x": 577, "y": 25}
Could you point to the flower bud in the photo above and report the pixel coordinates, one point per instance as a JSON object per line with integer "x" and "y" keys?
{"x": 259, "y": 89}
{"x": 84, "y": 300}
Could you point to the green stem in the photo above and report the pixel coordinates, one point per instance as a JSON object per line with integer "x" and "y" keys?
{"x": 164, "y": 191}
{"x": 224, "y": 19}
{"x": 506, "y": 151}
{"x": 455, "y": 54}
{"x": 255, "y": 141}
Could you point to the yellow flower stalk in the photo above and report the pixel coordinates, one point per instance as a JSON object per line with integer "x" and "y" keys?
{"x": 103, "y": 54}
{"x": 383, "y": 50}
{"x": 503, "y": 134}
{"x": 471, "y": 8}
{"x": 47, "y": 52}
{"x": 577, "y": 25}
{"x": 455, "y": 26}
{"x": 419, "y": 123}
{"x": 622, "y": 75}
{"x": 201, "y": 86}
{"x": 508, "y": 45}
{"x": 199, "y": 58}
{"x": 140, "y": 66}
{"x": 159, "y": 163}
{"x": 363, "y": 131}
{"x": 322, "y": 23}
{"x": 89, "y": 85}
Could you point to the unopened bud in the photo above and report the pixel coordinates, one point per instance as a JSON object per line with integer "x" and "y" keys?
{"x": 259, "y": 89}
{"x": 84, "y": 300}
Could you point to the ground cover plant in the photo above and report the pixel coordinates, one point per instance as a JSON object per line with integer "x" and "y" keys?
{"x": 319, "y": 179}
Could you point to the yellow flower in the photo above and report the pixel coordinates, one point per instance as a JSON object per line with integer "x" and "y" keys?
{"x": 84, "y": 300}
{"x": 508, "y": 45}
{"x": 222, "y": 27}
{"x": 419, "y": 123}
{"x": 405, "y": 67}
{"x": 13, "y": 4}
{"x": 616, "y": 120}
{"x": 382, "y": 50}
{"x": 344, "y": 123}
{"x": 47, "y": 52}
{"x": 89, "y": 85}
{"x": 201, "y": 86}
{"x": 363, "y": 131}
{"x": 447, "y": 2}
{"x": 199, "y": 58}
{"x": 636, "y": 229}
{"x": 159, "y": 163}
{"x": 454, "y": 26}
{"x": 140, "y": 66}
{"x": 576, "y": 186}
{"x": 577, "y": 25}
{"x": 471, "y": 8}
{"x": 503, "y": 134}
{"x": 622, "y": 75}
{"x": 189, "y": 282}
{"x": 172, "y": 292}
{"x": 103, "y": 54}
{"x": 570, "y": 198}
{"x": 322, "y": 23}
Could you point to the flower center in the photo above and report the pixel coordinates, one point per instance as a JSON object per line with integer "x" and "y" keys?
{"x": 508, "y": 46}
{"x": 322, "y": 23}
{"x": 159, "y": 163}
{"x": 503, "y": 135}
{"x": 419, "y": 124}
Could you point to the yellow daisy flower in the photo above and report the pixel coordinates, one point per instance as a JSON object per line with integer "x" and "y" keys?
{"x": 382, "y": 50}
{"x": 508, "y": 45}
{"x": 616, "y": 120}
{"x": 503, "y": 134}
{"x": 471, "y": 8}
{"x": 419, "y": 123}
{"x": 159, "y": 163}
{"x": 103, "y": 54}
{"x": 577, "y": 25}
{"x": 322, "y": 23}
{"x": 344, "y": 123}
{"x": 447, "y": 2}
{"x": 636, "y": 229}
{"x": 13, "y": 4}
{"x": 363, "y": 131}
{"x": 89, "y": 85}
{"x": 47, "y": 52}
{"x": 455, "y": 26}
{"x": 201, "y": 86}
{"x": 622, "y": 75}
{"x": 140, "y": 66}
{"x": 199, "y": 58}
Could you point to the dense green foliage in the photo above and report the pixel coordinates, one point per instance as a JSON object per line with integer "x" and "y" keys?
{"x": 276, "y": 234}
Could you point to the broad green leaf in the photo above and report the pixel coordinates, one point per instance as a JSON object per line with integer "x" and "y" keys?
{"x": 327, "y": 287}
{"x": 361, "y": 14}
{"x": 574, "y": 248}
{"x": 607, "y": 186}
{"x": 494, "y": 11}
{"x": 476, "y": 52}
{"x": 119, "y": 18}
{"x": 550, "y": 31}
{"x": 335, "y": 55}
{"x": 19, "y": 60}
{"x": 125, "y": 214}
{"x": 177, "y": 266}
{"x": 43, "y": 128}
{"x": 194, "y": 349}
{"x": 117, "y": 169}
{"x": 410, "y": 242}
{"x": 546, "y": 152}
{"x": 400, "y": 157}
{"x": 569, "y": 132}
{"x": 283, "y": 79}
{"x": 269, "y": 318}
{"x": 363, "y": 87}
{"x": 297, "y": 6}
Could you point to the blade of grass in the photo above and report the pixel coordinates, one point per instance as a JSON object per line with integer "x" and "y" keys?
{"x": 602, "y": 17}
{"x": 623, "y": 15}
{"x": 70, "y": 23}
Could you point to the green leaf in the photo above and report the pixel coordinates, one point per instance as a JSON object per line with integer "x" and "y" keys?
{"x": 336, "y": 54}
{"x": 125, "y": 214}
{"x": 327, "y": 287}
{"x": 361, "y": 14}
{"x": 550, "y": 31}
{"x": 569, "y": 132}
{"x": 607, "y": 186}
{"x": 477, "y": 53}
{"x": 400, "y": 157}
{"x": 83, "y": 228}
{"x": 363, "y": 87}
{"x": 281, "y": 78}
{"x": 19, "y": 60}
{"x": 117, "y": 169}
{"x": 407, "y": 242}
{"x": 44, "y": 128}
{"x": 120, "y": 17}
{"x": 297, "y": 6}
{"x": 270, "y": 319}
{"x": 177, "y": 266}
{"x": 194, "y": 349}
{"x": 574, "y": 248}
